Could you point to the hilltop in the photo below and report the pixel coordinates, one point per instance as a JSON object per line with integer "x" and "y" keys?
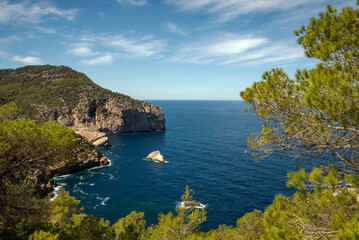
{"x": 59, "y": 93}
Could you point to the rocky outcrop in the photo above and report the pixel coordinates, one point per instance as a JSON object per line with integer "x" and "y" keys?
{"x": 192, "y": 204}
{"x": 156, "y": 156}
{"x": 87, "y": 156}
{"x": 88, "y": 119}
{"x": 61, "y": 94}
{"x": 94, "y": 115}
{"x": 98, "y": 139}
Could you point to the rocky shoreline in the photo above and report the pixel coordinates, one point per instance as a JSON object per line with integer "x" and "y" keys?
{"x": 70, "y": 98}
{"x": 87, "y": 156}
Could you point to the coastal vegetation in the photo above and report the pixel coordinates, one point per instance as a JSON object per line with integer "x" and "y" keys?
{"x": 315, "y": 115}
{"x": 31, "y": 87}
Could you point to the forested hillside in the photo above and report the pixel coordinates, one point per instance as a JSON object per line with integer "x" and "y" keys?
{"x": 46, "y": 93}
{"x": 53, "y": 86}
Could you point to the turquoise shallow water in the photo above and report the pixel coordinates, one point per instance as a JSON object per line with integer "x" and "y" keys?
{"x": 204, "y": 145}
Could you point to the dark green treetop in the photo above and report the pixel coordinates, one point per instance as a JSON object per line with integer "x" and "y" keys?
{"x": 54, "y": 87}
{"x": 317, "y": 112}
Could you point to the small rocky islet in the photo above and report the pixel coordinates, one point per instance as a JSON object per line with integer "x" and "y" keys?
{"x": 156, "y": 156}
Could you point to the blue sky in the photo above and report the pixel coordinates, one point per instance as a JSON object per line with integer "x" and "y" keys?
{"x": 160, "y": 49}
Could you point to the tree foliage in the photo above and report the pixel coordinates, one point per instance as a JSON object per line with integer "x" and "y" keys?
{"x": 187, "y": 221}
{"x": 55, "y": 87}
{"x": 316, "y": 113}
{"x": 130, "y": 227}
{"x": 26, "y": 149}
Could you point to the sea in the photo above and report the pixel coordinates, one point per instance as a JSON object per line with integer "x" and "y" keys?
{"x": 204, "y": 147}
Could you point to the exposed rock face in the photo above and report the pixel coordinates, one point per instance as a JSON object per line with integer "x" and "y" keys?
{"x": 96, "y": 138}
{"x": 89, "y": 116}
{"x": 156, "y": 156}
{"x": 88, "y": 122}
{"x": 87, "y": 156}
{"x": 61, "y": 94}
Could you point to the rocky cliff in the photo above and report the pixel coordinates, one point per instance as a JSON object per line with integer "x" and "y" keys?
{"x": 58, "y": 93}
{"x": 86, "y": 156}
{"x": 52, "y": 93}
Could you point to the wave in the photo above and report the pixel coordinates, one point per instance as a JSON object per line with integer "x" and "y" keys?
{"x": 56, "y": 192}
{"x": 110, "y": 163}
{"x": 104, "y": 201}
{"x": 62, "y": 177}
{"x": 154, "y": 161}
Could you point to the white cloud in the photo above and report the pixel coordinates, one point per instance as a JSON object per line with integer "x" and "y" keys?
{"x": 270, "y": 53}
{"x": 46, "y": 30}
{"x": 216, "y": 49}
{"x": 27, "y": 60}
{"x": 233, "y": 46}
{"x": 32, "y": 13}
{"x": 82, "y": 50}
{"x": 104, "y": 49}
{"x": 235, "y": 49}
{"x": 136, "y": 47}
{"x": 227, "y": 10}
{"x": 105, "y": 59}
{"x": 175, "y": 29}
{"x": 133, "y": 2}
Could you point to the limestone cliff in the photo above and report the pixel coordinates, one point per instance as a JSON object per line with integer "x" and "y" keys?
{"x": 51, "y": 93}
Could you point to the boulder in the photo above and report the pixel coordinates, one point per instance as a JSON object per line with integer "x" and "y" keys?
{"x": 156, "y": 156}
{"x": 96, "y": 138}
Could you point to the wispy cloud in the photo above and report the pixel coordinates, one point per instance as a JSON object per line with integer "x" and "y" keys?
{"x": 82, "y": 50}
{"x": 133, "y": 2}
{"x": 136, "y": 47}
{"x": 46, "y": 30}
{"x": 102, "y": 60}
{"x": 175, "y": 29}
{"x": 270, "y": 53}
{"x": 27, "y": 60}
{"x": 234, "y": 49}
{"x": 230, "y": 9}
{"x": 32, "y": 13}
{"x": 104, "y": 49}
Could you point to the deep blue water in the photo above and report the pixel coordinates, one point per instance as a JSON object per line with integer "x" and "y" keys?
{"x": 204, "y": 145}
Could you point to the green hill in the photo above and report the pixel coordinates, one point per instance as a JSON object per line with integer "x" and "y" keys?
{"x": 69, "y": 97}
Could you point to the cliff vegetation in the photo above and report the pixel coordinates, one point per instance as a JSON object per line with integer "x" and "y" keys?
{"x": 59, "y": 93}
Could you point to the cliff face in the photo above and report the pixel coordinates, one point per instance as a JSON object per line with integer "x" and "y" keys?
{"x": 105, "y": 115}
{"x": 51, "y": 93}
{"x": 86, "y": 156}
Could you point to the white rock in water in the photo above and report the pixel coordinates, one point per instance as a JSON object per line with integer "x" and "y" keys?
{"x": 156, "y": 156}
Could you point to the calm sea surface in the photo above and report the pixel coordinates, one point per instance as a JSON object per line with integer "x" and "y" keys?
{"x": 204, "y": 145}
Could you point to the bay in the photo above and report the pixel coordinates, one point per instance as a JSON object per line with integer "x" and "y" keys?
{"x": 204, "y": 148}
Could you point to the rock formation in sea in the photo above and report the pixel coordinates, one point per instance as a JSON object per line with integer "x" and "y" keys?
{"x": 61, "y": 94}
{"x": 156, "y": 156}
{"x": 192, "y": 204}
